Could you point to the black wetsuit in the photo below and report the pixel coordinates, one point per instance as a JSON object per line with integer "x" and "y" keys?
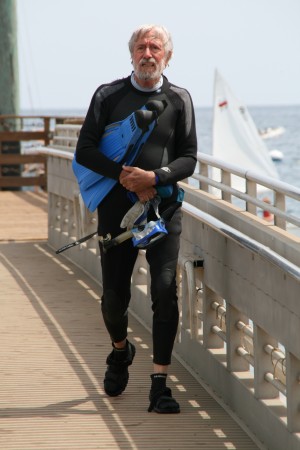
{"x": 170, "y": 152}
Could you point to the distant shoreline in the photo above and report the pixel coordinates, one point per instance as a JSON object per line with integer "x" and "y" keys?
{"x": 83, "y": 111}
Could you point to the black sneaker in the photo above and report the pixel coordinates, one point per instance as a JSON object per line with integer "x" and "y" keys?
{"x": 162, "y": 402}
{"x": 117, "y": 375}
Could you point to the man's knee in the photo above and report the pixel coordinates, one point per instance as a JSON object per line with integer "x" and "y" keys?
{"x": 113, "y": 307}
{"x": 165, "y": 282}
{"x": 165, "y": 296}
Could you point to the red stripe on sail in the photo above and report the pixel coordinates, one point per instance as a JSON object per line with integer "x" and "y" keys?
{"x": 222, "y": 104}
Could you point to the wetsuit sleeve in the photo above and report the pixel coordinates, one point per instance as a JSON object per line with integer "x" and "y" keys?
{"x": 87, "y": 153}
{"x": 185, "y": 161}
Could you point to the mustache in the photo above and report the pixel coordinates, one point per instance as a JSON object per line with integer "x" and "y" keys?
{"x": 147, "y": 60}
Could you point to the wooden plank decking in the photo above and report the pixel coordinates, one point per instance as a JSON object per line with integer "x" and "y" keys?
{"x": 53, "y": 351}
{"x": 23, "y": 215}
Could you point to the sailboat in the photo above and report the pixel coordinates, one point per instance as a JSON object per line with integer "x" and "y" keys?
{"x": 235, "y": 138}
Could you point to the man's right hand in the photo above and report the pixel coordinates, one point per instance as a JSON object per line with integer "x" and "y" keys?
{"x": 146, "y": 194}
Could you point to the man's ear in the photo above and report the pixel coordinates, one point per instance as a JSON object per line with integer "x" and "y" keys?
{"x": 168, "y": 58}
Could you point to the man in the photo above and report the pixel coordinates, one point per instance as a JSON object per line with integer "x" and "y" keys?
{"x": 168, "y": 156}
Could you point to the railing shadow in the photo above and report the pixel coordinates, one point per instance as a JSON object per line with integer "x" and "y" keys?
{"x": 66, "y": 301}
{"x": 36, "y": 199}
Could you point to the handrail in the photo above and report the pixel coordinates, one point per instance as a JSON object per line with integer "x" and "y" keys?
{"x": 54, "y": 152}
{"x": 244, "y": 240}
{"x": 248, "y": 198}
{"x": 46, "y": 117}
{"x": 280, "y": 190}
{"x": 277, "y": 186}
{"x": 266, "y": 181}
{"x": 15, "y": 129}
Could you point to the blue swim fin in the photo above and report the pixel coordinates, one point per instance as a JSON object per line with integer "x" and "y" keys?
{"x": 121, "y": 141}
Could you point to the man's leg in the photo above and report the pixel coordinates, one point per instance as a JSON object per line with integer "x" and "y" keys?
{"x": 163, "y": 265}
{"x": 117, "y": 266}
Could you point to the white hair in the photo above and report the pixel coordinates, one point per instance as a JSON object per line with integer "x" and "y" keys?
{"x": 158, "y": 30}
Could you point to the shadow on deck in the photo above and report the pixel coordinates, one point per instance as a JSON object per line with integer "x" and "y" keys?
{"x": 53, "y": 352}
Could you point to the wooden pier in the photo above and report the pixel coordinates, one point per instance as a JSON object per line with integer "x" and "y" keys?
{"x": 53, "y": 351}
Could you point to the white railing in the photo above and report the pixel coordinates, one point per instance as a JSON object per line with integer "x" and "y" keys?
{"x": 239, "y": 286}
{"x": 277, "y": 190}
{"x": 239, "y": 331}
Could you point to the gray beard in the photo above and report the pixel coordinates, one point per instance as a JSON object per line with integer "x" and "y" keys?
{"x": 148, "y": 75}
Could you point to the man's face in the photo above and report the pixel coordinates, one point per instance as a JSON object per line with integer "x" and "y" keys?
{"x": 148, "y": 57}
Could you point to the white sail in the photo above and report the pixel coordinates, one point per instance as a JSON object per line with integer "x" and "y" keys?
{"x": 235, "y": 136}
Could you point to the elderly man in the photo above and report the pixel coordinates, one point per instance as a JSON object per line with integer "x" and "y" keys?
{"x": 168, "y": 156}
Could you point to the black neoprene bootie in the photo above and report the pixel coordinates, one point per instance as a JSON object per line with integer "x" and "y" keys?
{"x": 117, "y": 375}
{"x": 161, "y": 400}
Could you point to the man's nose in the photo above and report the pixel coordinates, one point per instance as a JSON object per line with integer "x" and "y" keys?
{"x": 147, "y": 52}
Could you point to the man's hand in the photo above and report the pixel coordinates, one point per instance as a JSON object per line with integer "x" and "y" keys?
{"x": 146, "y": 194}
{"x": 137, "y": 180}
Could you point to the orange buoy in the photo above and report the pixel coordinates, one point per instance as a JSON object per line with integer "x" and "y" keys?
{"x": 266, "y": 214}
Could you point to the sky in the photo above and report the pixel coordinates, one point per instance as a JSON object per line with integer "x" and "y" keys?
{"x": 67, "y": 48}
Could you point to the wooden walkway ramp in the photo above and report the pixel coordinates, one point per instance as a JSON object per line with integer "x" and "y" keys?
{"x": 53, "y": 350}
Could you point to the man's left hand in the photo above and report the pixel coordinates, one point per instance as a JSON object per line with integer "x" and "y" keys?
{"x": 135, "y": 179}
